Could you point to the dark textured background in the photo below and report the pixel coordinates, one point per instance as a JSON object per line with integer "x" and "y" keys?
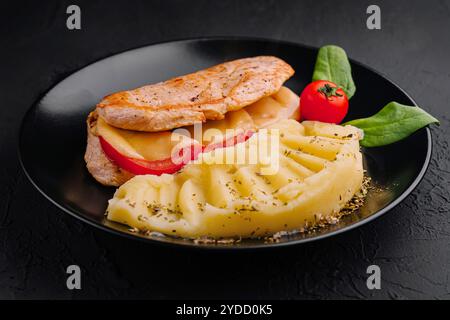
{"x": 411, "y": 244}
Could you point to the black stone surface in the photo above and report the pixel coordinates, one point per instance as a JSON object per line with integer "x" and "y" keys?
{"x": 38, "y": 241}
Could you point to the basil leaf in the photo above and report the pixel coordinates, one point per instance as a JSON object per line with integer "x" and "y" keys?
{"x": 391, "y": 124}
{"x": 332, "y": 64}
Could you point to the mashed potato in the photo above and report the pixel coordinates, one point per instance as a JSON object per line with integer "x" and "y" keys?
{"x": 318, "y": 170}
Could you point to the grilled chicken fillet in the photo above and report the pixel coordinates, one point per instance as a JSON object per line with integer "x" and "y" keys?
{"x": 204, "y": 95}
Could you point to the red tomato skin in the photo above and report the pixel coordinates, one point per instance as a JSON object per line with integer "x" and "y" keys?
{"x": 241, "y": 137}
{"x": 316, "y": 106}
{"x": 139, "y": 166}
{"x": 158, "y": 167}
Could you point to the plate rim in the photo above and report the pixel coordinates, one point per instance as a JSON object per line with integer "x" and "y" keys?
{"x": 216, "y": 247}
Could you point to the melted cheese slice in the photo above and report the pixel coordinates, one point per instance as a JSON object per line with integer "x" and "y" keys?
{"x": 218, "y": 130}
{"x": 320, "y": 169}
{"x": 282, "y": 105}
{"x": 142, "y": 145}
{"x": 159, "y": 145}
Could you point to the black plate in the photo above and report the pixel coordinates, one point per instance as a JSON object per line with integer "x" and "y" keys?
{"x": 53, "y": 135}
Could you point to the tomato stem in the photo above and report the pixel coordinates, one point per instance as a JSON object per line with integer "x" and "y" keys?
{"x": 329, "y": 91}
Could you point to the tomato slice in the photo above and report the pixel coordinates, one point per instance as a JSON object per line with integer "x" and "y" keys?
{"x": 155, "y": 167}
{"x": 158, "y": 167}
{"x": 241, "y": 137}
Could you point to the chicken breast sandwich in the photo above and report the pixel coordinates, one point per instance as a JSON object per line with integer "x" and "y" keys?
{"x": 132, "y": 132}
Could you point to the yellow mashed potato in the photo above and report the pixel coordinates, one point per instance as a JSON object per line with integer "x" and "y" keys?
{"x": 318, "y": 169}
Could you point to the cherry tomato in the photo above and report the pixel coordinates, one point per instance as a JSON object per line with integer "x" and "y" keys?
{"x": 323, "y": 101}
